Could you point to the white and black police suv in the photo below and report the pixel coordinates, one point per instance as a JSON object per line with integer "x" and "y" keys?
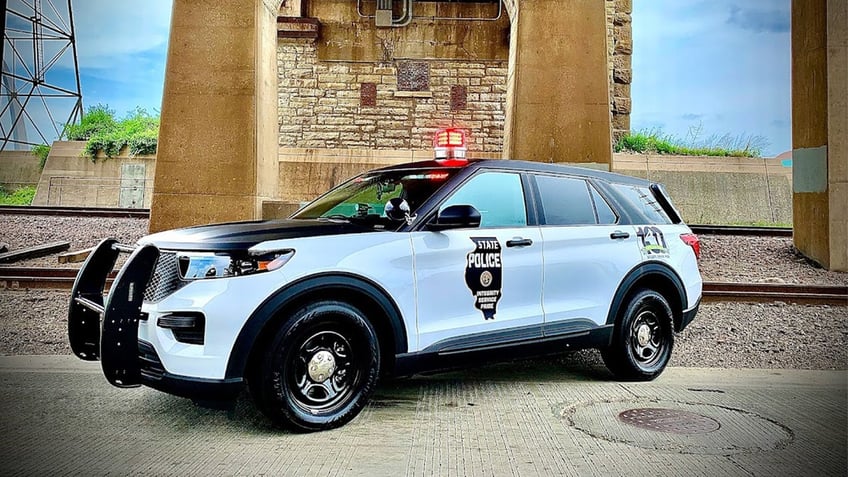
{"x": 399, "y": 270}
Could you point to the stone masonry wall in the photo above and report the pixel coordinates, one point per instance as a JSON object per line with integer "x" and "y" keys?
{"x": 337, "y": 104}
{"x": 620, "y": 51}
{"x": 325, "y": 104}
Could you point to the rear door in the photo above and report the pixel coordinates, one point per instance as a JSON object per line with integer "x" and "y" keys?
{"x": 481, "y": 286}
{"x": 587, "y": 254}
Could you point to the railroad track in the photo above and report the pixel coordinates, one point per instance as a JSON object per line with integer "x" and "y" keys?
{"x": 742, "y": 230}
{"x": 25, "y": 278}
{"x": 39, "y": 278}
{"x": 145, "y": 213}
{"x": 75, "y": 211}
{"x": 768, "y": 293}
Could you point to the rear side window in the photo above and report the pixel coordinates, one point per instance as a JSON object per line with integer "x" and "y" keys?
{"x": 642, "y": 199}
{"x": 565, "y": 201}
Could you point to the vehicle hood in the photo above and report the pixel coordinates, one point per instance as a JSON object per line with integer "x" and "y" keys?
{"x": 243, "y": 235}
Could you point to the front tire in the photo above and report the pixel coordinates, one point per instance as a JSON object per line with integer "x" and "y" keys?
{"x": 643, "y": 338}
{"x": 320, "y": 369}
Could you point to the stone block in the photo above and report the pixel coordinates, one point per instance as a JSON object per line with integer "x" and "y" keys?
{"x": 622, "y": 76}
{"x": 621, "y": 19}
{"x": 623, "y": 46}
{"x": 622, "y": 105}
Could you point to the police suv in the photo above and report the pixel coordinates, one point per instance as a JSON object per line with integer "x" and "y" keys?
{"x": 399, "y": 270}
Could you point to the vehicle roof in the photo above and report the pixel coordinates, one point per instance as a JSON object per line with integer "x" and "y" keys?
{"x": 522, "y": 166}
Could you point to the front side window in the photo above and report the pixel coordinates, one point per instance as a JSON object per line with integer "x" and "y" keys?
{"x": 565, "y": 201}
{"x": 498, "y": 196}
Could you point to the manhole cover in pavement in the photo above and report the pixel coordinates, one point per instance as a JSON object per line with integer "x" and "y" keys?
{"x": 669, "y": 420}
{"x": 679, "y": 427}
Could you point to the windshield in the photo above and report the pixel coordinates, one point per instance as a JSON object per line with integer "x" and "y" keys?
{"x": 365, "y": 197}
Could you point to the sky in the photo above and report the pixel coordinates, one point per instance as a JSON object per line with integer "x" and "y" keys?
{"x": 714, "y": 66}
{"x": 700, "y": 67}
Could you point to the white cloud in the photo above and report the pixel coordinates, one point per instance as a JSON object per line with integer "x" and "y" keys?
{"x": 108, "y": 30}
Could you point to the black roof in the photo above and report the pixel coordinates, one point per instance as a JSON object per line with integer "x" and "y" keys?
{"x": 522, "y": 166}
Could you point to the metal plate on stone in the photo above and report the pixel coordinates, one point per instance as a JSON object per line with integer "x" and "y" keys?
{"x": 413, "y": 76}
{"x": 669, "y": 420}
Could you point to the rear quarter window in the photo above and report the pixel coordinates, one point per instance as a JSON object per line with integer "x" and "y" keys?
{"x": 643, "y": 200}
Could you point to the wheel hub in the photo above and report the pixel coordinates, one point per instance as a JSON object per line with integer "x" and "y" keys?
{"x": 643, "y": 334}
{"x": 321, "y": 366}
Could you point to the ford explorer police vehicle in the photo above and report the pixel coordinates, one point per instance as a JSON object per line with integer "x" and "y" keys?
{"x": 399, "y": 270}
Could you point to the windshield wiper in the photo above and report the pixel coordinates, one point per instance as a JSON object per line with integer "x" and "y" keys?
{"x": 336, "y": 217}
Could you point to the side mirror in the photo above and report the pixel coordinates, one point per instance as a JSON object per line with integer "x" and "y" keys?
{"x": 397, "y": 209}
{"x": 456, "y": 217}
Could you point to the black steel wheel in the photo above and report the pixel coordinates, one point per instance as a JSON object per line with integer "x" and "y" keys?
{"x": 320, "y": 368}
{"x": 643, "y": 338}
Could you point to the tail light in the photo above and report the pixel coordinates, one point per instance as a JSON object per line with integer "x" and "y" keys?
{"x": 692, "y": 241}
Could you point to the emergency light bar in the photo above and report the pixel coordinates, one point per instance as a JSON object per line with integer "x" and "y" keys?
{"x": 450, "y": 144}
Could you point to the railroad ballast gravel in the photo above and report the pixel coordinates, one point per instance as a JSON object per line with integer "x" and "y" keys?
{"x": 723, "y": 335}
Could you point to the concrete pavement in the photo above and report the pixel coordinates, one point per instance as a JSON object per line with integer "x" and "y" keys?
{"x": 60, "y": 416}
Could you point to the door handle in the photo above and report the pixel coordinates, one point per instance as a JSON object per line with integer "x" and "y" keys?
{"x": 619, "y": 235}
{"x": 519, "y": 242}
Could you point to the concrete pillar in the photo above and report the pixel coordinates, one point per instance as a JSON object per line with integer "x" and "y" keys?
{"x": 820, "y": 130}
{"x": 558, "y": 107}
{"x": 217, "y": 155}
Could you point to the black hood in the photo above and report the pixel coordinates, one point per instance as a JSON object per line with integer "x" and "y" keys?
{"x": 243, "y": 235}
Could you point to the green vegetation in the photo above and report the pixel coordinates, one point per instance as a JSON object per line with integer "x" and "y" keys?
{"x": 20, "y": 196}
{"x": 41, "y": 151}
{"x": 654, "y": 141}
{"x": 138, "y": 131}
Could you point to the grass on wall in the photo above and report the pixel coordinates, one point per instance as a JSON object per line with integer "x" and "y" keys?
{"x": 654, "y": 141}
{"x": 138, "y": 131}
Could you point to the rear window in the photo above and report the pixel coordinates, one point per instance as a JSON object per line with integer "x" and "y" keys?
{"x": 642, "y": 199}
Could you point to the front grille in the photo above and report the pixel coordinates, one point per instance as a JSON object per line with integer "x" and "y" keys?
{"x": 165, "y": 279}
{"x": 151, "y": 365}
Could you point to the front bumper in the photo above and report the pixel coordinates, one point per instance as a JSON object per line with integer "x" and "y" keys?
{"x": 124, "y": 329}
{"x": 153, "y": 374}
{"x": 108, "y": 330}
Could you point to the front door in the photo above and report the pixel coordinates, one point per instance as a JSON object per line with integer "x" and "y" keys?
{"x": 480, "y": 286}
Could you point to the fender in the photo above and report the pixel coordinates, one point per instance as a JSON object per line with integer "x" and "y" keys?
{"x": 639, "y": 272}
{"x": 268, "y": 309}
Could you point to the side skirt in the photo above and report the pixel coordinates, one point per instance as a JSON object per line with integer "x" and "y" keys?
{"x": 408, "y": 364}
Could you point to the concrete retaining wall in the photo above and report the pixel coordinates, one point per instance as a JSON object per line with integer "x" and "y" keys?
{"x": 18, "y": 169}
{"x": 718, "y": 190}
{"x": 70, "y": 179}
{"x": 705, "y": 189}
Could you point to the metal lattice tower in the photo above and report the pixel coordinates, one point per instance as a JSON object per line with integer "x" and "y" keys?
{"x": 39, "y": 87}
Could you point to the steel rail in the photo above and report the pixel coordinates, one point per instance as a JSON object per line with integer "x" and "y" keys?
{"x": 742, "y": 230}
{"x": 74, "y": 211}
{"x": 40, "y": 278}
{"x": 63, "y": 278}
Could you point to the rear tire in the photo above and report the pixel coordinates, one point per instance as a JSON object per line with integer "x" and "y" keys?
{"x": 643, "y": 338}
{"x": 320, "y": 368}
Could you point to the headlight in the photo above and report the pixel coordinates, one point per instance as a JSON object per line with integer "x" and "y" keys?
{"x": 199, "y": 265}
